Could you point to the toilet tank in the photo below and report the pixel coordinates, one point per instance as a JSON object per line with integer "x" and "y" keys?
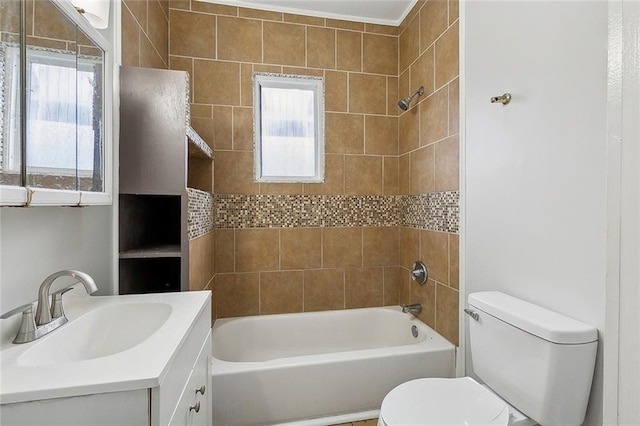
{"x": 539, "y": 361}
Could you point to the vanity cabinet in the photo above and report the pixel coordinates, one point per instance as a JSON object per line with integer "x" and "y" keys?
{"x": 194, "y": 405}
{"x": 184, "y": 397}
{"x": 162, "y": 161}
{"x": 140, "y": 397}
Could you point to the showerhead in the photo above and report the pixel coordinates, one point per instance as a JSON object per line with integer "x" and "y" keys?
{"x": 404, "y": 103}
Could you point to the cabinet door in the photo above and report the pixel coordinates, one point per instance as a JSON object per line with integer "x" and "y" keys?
{"x": 194, "y": 407}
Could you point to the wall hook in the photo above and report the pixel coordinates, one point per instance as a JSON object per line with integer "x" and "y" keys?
{"x": 504, "y": 99}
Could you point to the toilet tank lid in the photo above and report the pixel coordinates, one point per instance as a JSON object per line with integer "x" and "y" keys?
{"x": 534, "y": 319}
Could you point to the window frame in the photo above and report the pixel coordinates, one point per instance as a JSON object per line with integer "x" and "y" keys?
{"x": 289, "y": 81}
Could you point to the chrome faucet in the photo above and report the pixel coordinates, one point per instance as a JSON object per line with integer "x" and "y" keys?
{"x": 416, "y": 308}
{"x": 48, "y": 317}
{"x": 43, "y": 314}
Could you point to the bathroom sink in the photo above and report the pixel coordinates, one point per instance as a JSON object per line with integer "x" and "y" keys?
{"x": 113, "y": 343}
{"x": 99, "y": 333}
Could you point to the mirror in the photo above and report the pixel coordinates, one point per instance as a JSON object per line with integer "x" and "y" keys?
{"x": 52, "y": 76}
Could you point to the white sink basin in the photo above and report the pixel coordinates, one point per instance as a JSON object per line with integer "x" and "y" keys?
{"x": 99, "y": 333}
{"x": 110, "y": 344}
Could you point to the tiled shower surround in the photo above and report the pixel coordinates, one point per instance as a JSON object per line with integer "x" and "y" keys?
{"x": 390, "y": 195}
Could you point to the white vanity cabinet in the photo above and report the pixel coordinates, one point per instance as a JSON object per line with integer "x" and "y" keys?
{"x": 171, "y": 401}
{"x": 128, "y": 389}
{"x": 194, "y": 406}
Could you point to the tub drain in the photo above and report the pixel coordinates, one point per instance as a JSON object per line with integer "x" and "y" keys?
{"x": 414, "y": 331}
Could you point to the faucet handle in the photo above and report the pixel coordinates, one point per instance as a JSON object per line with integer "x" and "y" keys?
{"x": 56, "y": 303}
{"x": 27, "y": 330}
{"x": 17, "y": 310}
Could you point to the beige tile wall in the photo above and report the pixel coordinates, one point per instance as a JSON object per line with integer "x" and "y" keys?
{"x": 370, "y": 149}
{"x": 145, "y": 29}
{"x": 428, "y": 154}
{"x": 263, "y": 271}
{"x": 221, "y": 46}
{"x": 282, "y": 270}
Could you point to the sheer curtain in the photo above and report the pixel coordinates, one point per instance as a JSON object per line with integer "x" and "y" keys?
{"x": 60, "y": 115}
{"x": 288, "y": 132}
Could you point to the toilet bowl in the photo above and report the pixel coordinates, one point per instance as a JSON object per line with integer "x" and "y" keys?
{"x": 435, "y": 401}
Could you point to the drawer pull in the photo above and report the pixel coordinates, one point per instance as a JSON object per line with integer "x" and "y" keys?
{"x": 195, "y": 407}
{"x": 202, "y": 389}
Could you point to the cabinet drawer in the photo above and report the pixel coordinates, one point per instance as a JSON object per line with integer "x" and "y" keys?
{"x": 190, "y": 400}
{"x": 165, "y": 397}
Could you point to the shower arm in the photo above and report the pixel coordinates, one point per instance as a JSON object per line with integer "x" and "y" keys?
{"x": 404, "y": 103}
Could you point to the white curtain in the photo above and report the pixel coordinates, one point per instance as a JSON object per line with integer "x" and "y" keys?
{"x": 288, "y": 132}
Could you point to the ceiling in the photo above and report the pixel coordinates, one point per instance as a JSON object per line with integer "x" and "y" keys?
{"x": 385, "y": 12}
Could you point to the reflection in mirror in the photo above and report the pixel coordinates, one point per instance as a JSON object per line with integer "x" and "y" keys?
{"x": 10, "y": 153}
{"x": 63, "y": 101}
{"x": 51, "y": 99}
{"x": 90, "y": 113}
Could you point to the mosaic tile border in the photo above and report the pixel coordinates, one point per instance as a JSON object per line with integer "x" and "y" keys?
{"x": 437, "y": 211}
{"x": 200, "y": 213}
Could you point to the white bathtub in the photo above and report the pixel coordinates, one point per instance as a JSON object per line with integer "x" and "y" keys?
{"x": 319, "y": 368}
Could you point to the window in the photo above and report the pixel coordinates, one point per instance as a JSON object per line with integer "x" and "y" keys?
{"x": 288, "y": 128}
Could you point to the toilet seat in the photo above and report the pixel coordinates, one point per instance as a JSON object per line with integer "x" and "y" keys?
{"x": 436, "y": 401}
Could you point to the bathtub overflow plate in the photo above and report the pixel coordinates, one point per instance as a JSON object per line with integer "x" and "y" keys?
{"x": 414, "y": 330}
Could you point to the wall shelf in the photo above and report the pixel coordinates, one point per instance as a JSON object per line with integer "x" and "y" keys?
{"x": 160, "y": 156}
{"x": 151, "y": 252}
{"x": 198, "y": 148}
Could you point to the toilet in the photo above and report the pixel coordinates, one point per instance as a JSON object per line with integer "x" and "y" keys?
{"x": 536, "y": 365}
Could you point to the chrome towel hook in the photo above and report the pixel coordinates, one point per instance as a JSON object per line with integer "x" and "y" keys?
{"x": 504, "y": 99}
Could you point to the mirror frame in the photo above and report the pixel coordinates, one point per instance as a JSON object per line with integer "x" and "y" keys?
{"x": 35, "y": 196}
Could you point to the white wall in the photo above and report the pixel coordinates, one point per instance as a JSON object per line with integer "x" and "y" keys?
{"x": 534, "y": 197}
{"x": 38, "y": 241}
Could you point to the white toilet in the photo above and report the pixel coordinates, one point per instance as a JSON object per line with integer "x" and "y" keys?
{"x": 532, "y": 361}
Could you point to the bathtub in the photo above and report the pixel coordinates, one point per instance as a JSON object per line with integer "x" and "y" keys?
{"x": 319, "y": 368}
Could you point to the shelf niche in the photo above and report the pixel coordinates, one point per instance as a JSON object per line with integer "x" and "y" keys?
{"x": 160, "y": 156}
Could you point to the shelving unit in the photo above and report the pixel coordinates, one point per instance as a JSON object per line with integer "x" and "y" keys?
{"x": 158, "y": 148}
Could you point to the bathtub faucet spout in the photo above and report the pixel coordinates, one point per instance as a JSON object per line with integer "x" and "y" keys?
{"x": 416, "y": 308}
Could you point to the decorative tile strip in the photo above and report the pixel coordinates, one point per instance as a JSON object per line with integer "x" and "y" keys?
{"x": 435, "y": 211}
{"x": 292, "y": 211}
{"x": 200, "y": 217}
